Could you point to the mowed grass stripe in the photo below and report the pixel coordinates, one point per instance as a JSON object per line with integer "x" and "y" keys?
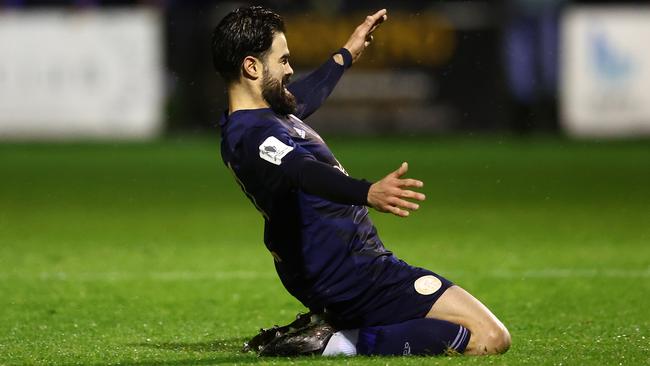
{"x": 549, "y": 273}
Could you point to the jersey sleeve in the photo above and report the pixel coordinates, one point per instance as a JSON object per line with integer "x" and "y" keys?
{"x": 312, "y": 90}
{"x": 271, "y": 153}
{"x": 282, "y": 164}
{"x": 274, "y": 147}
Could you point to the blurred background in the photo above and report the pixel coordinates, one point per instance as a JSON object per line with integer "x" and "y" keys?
{"x": 124, "y": 239}
{"x": 140, "y": 70}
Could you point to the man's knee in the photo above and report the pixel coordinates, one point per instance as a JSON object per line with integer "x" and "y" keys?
{"x": 497, "y": 340}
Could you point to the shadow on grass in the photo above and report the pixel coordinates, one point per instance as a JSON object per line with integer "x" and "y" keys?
{"x": 230, "y": 346}
{"x": 223, "y": 345}
{"x": 188, "y": 361}
{"x": 231, "y": 360}
{"x": 219, "y": 360}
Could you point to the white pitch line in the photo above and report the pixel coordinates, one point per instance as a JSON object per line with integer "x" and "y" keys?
{"x": 131, "y": 276}
{"x": 573, "y": 273}
{"x": 550, "y": 273}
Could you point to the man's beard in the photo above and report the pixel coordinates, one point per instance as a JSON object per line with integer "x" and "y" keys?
{"x": 280, "y": 100}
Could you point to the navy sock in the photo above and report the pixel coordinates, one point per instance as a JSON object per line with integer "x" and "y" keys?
{"x": 414, "y": 337}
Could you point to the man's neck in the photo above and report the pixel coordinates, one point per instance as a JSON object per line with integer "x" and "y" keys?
{"x": 244, "y": 96}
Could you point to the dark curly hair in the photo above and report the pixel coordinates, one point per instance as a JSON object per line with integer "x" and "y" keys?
{"x": 247, "y": 31}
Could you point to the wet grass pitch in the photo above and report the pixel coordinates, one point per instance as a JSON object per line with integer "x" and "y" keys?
{"x": 149, "y": 254}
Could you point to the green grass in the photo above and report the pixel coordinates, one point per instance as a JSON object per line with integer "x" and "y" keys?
{"x": 148, "y": 254}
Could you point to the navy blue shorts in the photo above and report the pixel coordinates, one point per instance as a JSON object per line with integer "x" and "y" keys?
{"x": 400, "y": 292}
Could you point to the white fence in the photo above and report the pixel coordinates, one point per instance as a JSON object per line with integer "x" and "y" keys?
{"x": 89, "y": 74}
{"x": 605, "y": 63}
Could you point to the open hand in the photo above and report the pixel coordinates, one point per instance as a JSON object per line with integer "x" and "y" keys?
{"x": 387, "y": 194}
{"x": 362, "y": 36}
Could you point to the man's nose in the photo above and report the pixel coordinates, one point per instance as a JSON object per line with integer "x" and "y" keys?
{"x": 288, "y": 70}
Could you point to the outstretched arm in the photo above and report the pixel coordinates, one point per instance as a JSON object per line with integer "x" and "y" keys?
{"x": 280, "y": 160}
{"x": 312, "y": 90}
{"x": 390, "y": 194}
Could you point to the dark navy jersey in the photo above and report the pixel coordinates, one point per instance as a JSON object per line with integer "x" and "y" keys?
{"x": 323, "y": 250}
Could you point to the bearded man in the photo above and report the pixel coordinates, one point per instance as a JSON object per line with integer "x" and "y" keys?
{"x": 326, "y": 249}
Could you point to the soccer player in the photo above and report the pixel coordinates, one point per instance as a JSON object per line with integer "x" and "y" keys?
{"x": 316, "y": 226}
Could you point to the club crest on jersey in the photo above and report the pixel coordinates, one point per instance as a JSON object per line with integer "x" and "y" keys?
{"x": 273, "y": 150}
{"x": 427, "y": 285}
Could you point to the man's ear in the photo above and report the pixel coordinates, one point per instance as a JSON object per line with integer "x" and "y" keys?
{"x": 252, "y": 68}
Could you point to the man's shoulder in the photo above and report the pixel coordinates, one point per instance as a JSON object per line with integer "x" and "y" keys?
{"x": 247, "y": 123}
{"x": 247, "y": 131}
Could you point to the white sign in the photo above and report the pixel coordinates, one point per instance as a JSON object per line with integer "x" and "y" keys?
{"x": 94, "y": 74}
{"x": 605, "y": 68}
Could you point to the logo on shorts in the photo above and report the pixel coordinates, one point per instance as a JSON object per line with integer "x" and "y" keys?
{"x": 427, "y": 285}
{"x": 407, "y": 349}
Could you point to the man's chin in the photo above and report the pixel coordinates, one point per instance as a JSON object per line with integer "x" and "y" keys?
{"x": 281, "y": 100}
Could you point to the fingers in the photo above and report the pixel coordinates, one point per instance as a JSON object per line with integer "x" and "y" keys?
{"x": 380, "y": 13}
{"x": 372, "y": 21}
{"x": 400, "y": 210}
{"x": 378, "y": 22}
{"x": 413, "y": 195}
{"x": 410, "y": 183}
{"x": 401, "y": 170}
{"x": 400, "y": 207}
{"x": 397, "y": 211}
{"x": 404, "y": 204}
{"x": 394, "y": 204}
{"x": 377, "y": 17}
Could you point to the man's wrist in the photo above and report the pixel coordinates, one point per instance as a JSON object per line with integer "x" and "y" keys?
{"x": 368, "y": 198}
{"x": 345, "y": 57}
{"x": 364, "y": 191}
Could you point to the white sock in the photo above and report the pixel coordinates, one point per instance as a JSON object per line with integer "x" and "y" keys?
{"x": 343, "y": 343}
